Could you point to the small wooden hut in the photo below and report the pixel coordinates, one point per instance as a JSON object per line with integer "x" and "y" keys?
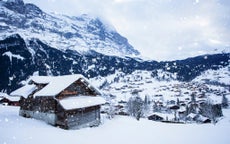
{"x": 66, "y": 101}
{"x": 9, "y": 100}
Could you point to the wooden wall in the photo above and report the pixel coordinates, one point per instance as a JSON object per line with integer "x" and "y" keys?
{"x": 77, "y": 88}
{"x": 78, "y": 117}
{"x": 40, "y": 104}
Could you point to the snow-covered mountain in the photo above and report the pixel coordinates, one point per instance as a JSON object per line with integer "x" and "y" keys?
{"x": 81, "y": 34}
{"x": 50, "y": 44}
{"x": 20, "y": 58}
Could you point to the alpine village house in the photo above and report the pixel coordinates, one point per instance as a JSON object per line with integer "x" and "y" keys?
{"x": 69, "y": 101}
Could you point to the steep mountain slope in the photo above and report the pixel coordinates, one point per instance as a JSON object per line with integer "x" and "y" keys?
{"x": 20, "y": 59}
{"x": 80, "y": 34}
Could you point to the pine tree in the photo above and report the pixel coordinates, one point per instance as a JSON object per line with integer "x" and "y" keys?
{"x": 155, "y": 107}
{"x": 224, "y": 102}
{"x": 178, "y": 102}
{"x": 146, "y": 106}
{"x": 193, "y": 98}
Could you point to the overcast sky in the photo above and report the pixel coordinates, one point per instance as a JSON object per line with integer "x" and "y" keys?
{"x": 159, "y": 29}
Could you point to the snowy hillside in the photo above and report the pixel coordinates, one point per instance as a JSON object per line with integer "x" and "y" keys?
{"x": 164, "y": 85}
{"x": 120, "y": 130}
{"x": 81, "y": 34}
{"x": 221, "y": 76}
{"x": 122, "y": 85}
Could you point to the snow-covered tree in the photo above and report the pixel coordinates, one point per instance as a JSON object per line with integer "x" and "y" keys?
{"x": 135, "y": 106}
{"x": 157, "y": 107}
{"x": 210, "y": 110}
{"x": 193, "y": 104}
{"x": 146, "y": 105}
{"x": 104, "y": 84}
{"x": 193, "y": 98}
{"x": 111, "y": 110}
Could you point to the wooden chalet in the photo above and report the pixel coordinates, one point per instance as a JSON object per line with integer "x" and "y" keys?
{"x": 161, "y": 117}
{"x": 9, "y": 100}
{"x": 69, "y": 102}
{"x": 197, "y": 118}
{"x": 155, "y": 117}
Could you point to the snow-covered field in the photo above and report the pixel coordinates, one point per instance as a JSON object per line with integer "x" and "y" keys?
{"x": 18, "y": 130}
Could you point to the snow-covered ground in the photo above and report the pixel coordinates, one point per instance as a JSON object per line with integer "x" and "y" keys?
{"x": 221, "y": 75}
{"x": 18, "y": 130}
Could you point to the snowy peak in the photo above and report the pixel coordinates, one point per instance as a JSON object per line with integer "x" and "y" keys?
{"x": 82, "y": 34}
{"x": 17, "y": 9}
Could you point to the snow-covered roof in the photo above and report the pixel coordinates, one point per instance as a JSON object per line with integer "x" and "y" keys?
{"x": 191, "y": 115}
{"x": 215, "y": 99}
{"x": 11, "y": 98}
{"x": 24, "y": 91}
{"x": 182, "y": 109}
{"x": 3, "y": 94}
{"x": 42, "y": 79}
{"x": 55, "y": 84}
{"x": 202, "y": 118}
{"x": 81, "y": 102}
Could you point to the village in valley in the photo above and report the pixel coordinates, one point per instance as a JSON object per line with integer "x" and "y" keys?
{"x": 188, "y": 103}
{"x": 117, "y": 108}
{"x": 163, "y": 99}
{"x": 117, "y": 72}
{"x": 73, "y": 102}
